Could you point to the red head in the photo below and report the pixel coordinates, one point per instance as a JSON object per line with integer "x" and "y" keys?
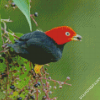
{"x": 62, "y": 34}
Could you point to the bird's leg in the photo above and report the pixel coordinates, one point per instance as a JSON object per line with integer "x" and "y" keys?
{"x": 37, "y": 68}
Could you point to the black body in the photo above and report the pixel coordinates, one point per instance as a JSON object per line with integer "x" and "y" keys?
{"x": 38, "y": 48}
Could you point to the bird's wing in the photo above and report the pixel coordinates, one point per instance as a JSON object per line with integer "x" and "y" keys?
{"x": 44, "y": 48}
{"x": 39, "y": 46}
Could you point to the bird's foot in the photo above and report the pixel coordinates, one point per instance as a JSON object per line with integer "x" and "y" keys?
{"x": 37, "y": 68}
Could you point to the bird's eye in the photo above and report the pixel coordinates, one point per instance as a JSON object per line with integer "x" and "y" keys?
{"x": 67, "y": 33}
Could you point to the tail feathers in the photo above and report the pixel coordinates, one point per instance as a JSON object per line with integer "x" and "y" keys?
{"x": 16, "y": 48}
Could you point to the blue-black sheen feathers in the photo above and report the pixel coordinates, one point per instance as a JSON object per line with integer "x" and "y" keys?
{"x": 38, "y": 48}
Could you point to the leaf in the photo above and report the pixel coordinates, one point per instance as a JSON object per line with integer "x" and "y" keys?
{"x": 0, "y": 34}
{"x": 19, "y": 34}
{"x": 11, "y": 38}
{"x": 24, "y": 6}
{"x": 10, "y": 31}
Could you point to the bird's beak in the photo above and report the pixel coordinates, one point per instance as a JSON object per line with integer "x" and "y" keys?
{"x": 77, "y": 38}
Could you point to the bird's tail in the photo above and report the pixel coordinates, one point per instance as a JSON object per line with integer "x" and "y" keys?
{"x": 16, "y": 48}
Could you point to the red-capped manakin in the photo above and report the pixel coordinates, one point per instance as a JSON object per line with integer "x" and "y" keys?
{"x": 44, "y": 47}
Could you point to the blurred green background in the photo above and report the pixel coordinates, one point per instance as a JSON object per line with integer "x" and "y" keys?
{"x": 80, "y": 60}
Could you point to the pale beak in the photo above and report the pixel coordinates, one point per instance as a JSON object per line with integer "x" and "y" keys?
{"x": 77, "y": 38}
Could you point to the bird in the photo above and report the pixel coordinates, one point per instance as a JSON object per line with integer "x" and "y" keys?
{"x": 44, "y": 47}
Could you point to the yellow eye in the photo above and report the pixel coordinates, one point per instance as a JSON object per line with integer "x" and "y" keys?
{"x": 67, "y": 33}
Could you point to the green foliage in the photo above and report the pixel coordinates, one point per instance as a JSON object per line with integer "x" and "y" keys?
{"x": 19, "y": 34}
{"x": 0, "y": 33}
{"x": 11, "y": 37}
{"x": 24, "y": 6}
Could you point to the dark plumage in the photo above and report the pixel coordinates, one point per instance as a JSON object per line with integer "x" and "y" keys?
{"x": 38, "y": 48}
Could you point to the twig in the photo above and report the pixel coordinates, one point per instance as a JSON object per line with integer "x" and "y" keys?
{"x": 47, "y": 87}
{"x": 7, "y": 38}
{"x": 10, "y": 33}
{"x": 6, "y": 20}
{"x": 34, "y": 20}
{"x": 7, "y": 77}
{"x": 2, "y": 39}
{"x": 56, "y": 81}
{"x": 15, "y": 36}
{"x": 5, "y": 27}
{"x": 3, "y": 51}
